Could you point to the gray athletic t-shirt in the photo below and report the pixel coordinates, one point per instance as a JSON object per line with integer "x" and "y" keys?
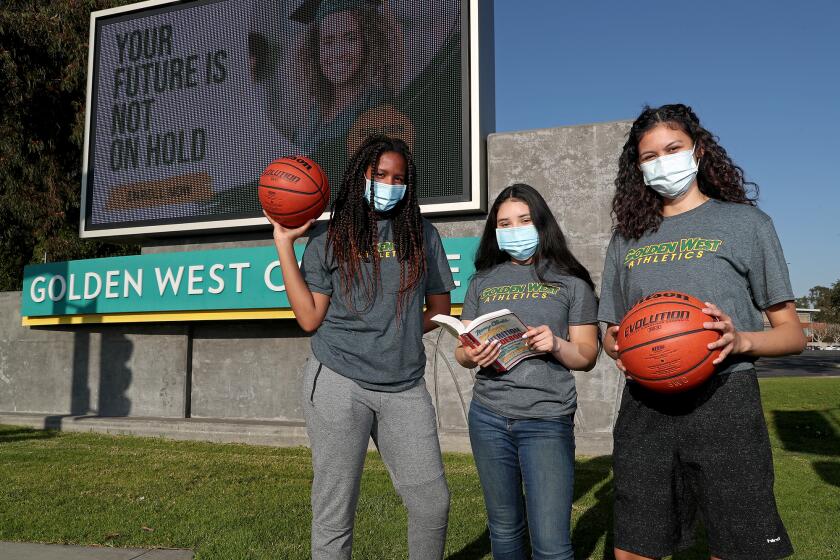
{"x": 539, "y": 387}
{"x": 370, "y": 345}
{"x": 721, "y": 252}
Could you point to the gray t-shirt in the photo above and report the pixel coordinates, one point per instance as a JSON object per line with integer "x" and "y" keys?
{"x": 539, "y": 387}
{"x": 369, "y": 344}
{"x": 721, "y": 252}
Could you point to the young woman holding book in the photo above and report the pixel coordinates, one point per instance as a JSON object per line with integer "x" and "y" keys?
{"x": 522, "y": 421}
{"x": 364, "y": 281}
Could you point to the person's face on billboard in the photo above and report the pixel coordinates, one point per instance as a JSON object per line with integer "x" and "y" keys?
{"x": 391, "y": 169}
{"x": 341, "y": 47}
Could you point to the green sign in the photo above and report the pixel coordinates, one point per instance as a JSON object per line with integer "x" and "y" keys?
{"x": 224, "y": 279}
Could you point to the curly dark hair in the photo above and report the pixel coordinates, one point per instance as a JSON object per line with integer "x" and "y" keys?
{"x": 552, "y": 252}
{"x": 637, "y": 208}
{"x": 353, "y": 235}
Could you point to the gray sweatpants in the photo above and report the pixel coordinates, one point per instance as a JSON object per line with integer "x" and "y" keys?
{"x": 340, "y": 417}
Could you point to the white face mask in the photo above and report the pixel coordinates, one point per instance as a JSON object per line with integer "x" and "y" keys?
{"x": 671, "y": 175}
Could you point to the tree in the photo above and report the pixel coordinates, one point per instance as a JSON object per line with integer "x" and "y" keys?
{"x": 817, "y": 296}
{"x": 832, "y": 312}
{"x": 827, "y": 300}
{"x": 832, "y": 333}
{"x": 819, "y": 331}
{"x": 43, "y": 61}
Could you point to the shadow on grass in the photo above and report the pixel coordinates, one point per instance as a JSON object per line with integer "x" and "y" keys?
{"x": 596, "y": 521}
{"x": 811, "y": 431}
{"x": 828, "y": 471}
{"x": 478, "y": 548}
{"x": 807, "y": 431}
{"x": 23, "y": 434}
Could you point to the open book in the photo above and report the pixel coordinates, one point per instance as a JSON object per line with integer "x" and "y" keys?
{"x": 501, "y": 325}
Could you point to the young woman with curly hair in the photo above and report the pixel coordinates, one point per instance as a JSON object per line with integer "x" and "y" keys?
{"x": 361, "y": 290}
{"x": 685, "y": 221}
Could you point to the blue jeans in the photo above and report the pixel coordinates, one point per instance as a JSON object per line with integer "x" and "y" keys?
{"x": 525, "y": 465}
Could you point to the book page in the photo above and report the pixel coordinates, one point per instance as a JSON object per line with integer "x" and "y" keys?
{"x": 451, "y": 324}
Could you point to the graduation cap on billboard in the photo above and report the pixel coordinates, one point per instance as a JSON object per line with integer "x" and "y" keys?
{"x": 316, "y": 10}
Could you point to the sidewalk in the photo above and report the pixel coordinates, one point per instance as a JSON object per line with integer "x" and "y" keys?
{"x": 27, "y": 551}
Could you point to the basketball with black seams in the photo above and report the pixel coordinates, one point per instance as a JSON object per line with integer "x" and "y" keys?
{"x": 663, "y": 345}
{"x": 293, "y": 190}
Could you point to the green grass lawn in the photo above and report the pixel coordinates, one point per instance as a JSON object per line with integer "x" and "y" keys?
{"x": 231, "y": 502}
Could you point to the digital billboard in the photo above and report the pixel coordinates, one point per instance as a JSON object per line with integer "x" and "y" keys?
{"x": 188, "y": 101}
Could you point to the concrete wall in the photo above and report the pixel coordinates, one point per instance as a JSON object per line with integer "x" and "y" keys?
{"x": 250, "y": 371}
{"x": 108, "y": 370}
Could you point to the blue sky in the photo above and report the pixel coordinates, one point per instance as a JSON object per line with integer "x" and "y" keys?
{"x": 763, "y": 76}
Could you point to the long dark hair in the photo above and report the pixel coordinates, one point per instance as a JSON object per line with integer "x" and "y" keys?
{"x": 552, "y": 254}
{"x": 353, "y": 235}
{"x": 637, "y": 208}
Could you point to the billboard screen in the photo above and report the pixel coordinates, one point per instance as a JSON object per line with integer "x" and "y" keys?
{"x": 189, "y": 101}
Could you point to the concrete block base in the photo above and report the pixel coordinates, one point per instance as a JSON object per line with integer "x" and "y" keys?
{"x": 253, "y": 432}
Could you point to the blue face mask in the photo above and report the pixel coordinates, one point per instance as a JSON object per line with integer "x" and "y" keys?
{"x": 518, "y": 242}
{"x": 671, "y": 175}
{"x": 385, "y": 196}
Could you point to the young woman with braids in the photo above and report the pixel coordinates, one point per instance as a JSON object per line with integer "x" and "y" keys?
{"x": 522, "y": 421}
{"x": 361, "y": 289}
{"x": 685, "y": 221}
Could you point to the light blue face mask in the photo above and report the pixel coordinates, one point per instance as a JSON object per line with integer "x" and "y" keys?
{"x": 518, "y": 242}
{"x": 671, "y": 175}
{"x": 385, "y": 196}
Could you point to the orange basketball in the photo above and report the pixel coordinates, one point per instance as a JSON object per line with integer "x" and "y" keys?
{"x": 663, "y": 344}
{"x": 293, "y": 190}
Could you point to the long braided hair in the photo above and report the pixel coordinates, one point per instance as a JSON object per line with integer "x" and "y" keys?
{"x": 353, "y": 235}
{"x": 636, "y": 207}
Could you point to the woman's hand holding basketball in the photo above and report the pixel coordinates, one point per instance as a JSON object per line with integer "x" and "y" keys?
{"x": 730, "y": 341}
{"x": 612, "y": 334}
{"x": 483, "y": 355}
{"x": 287, "y": 234}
